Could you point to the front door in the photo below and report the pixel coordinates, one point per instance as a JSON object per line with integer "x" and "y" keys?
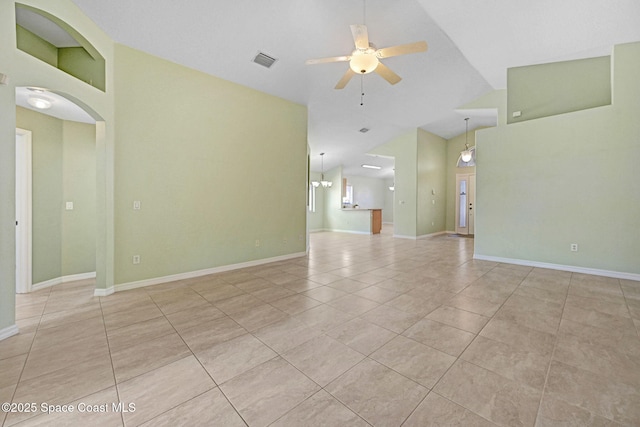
{"x": 465, "y": 203}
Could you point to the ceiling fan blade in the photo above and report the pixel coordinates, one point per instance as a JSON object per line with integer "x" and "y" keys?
{"x": 387, "y": 74}
{"x": 345, "y": 79}
{"x": 402, "y": 49}
{"x": 327, "y": 60}
{"x": 360, "y": 36}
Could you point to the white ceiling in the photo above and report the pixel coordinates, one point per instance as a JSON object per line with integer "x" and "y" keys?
{"x": 471, "y": 45}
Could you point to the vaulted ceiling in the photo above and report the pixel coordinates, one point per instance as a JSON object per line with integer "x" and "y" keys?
{"x": 471, "y": 45}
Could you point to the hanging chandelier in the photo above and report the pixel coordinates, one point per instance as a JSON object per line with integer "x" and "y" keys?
{"x": 468, "y": 155}
{"x": 322, "y": 182}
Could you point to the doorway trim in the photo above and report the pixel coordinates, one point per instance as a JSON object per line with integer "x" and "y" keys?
{"x": 24, "y": 212}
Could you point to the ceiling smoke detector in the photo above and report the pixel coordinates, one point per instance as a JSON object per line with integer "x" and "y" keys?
{"x": 265, "y": 60}
{"x": 364, "y": 130}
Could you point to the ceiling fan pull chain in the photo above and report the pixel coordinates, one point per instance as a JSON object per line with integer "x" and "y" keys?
{"x": 361, "y": 90}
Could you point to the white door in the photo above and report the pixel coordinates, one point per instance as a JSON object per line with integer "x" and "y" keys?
{"x": 23, "y": 211}
{"x": 465, "y": 203}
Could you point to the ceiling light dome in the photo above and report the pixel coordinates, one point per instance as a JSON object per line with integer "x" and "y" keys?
{"x": 39, "y": 102}
{"x": 364, "y": 61}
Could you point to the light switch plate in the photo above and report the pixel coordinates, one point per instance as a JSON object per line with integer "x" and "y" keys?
{"x": 69, "y": 206}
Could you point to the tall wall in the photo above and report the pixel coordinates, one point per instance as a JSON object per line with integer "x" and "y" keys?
{"x": 571, "y": 178}
{"x": 432, "y": 183}
{"x": 215, "y": 165}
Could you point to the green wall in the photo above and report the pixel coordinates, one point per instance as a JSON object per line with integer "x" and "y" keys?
{"x": 36, "y": 46}
{"x": 337, "y": 219}
{"x": 432, "y": 183}
{"x": 389, "y": 205}
{"x": 63, "y": 169}
{"x": 77, "y": 62}
{"x": 79, "y": 187}
{"x": 84, "y": 62}
{"x": 572, "y": 178}
{"x": 47, "y": 192}
{"x": 215, "y": 165}
{"x": 405, "y": 151}
{"x": 368, "y": 192}
{"x": 420, "y": 171}
{"x": 560, "y": 87}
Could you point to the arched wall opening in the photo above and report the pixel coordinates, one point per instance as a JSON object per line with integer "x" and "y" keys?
{"x": 20, "y": 69}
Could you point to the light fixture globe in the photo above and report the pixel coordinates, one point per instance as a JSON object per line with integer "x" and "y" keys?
{"x": 364, "y": 61}
{"x": 39, "y": 102}
{"x": 466, "y": 156}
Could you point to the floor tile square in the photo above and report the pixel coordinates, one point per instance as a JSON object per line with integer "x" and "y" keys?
{"x": 323, "y": 359}
{"x": 442, "y": 337}
{"x": 233, "y": 357}
{"x": 490, "y": 395}
{"x": 377, "y": 393}
{"x": 424, "y": 365}
{"x": 268, "y": 391}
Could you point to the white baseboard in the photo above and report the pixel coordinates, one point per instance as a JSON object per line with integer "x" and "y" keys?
{"x": 8, "y": 332}
{"x": 63, "y": 279}
{"x": 571, "y": 268}
{"x": 189, "y": 275}
{"x": 366, "y": 233}
{"x": 428, "y": 236}
{"x": 103, "y": 292}
{"x": 400, "y": 236}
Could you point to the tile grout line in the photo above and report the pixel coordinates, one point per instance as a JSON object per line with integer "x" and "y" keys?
{"x": 113, "y": 370}
{"x": 553, "y": 351}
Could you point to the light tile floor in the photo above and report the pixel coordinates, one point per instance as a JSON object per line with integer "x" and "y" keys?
{"x": 365, "y": 330}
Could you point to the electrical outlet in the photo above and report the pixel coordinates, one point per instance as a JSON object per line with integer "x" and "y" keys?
{"x": 574, "y": 247}
{"x": 257, "y": 243}
{"x": 284, "y": 241}
{"x": 300, "y": 237}
{"x": 136, "y": 259}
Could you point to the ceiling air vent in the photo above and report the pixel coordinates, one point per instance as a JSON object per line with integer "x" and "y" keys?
{"x": 364, "y": 130}
{"x": 264, "y": 60}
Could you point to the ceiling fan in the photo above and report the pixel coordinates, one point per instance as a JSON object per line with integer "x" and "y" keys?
{"x": 366, "y": 57}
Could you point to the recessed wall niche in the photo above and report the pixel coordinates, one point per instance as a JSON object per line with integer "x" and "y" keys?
{"x": 55, "y": 42}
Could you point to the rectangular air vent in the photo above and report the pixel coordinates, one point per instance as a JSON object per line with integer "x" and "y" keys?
{"x": 264, "y": 60}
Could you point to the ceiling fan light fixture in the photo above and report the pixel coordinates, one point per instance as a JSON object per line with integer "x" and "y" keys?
{"x": 364, "y": 62}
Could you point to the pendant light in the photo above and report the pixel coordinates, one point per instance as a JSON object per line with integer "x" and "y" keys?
{"x": 468, "y": 155}
{"x": 324, "y": 183}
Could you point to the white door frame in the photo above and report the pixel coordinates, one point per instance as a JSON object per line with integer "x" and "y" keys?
{"x": 23, "y": 211}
